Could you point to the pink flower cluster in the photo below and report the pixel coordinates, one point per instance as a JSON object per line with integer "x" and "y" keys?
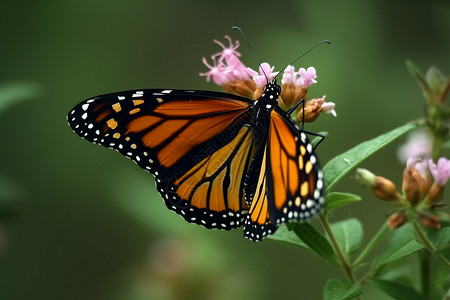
{"x": 227, "y": 67}
{"x": 417, "y": 151}
{"x": 233, "y": 76}
{"x": 304, "y": 77}
{"x": 439, "y": 171}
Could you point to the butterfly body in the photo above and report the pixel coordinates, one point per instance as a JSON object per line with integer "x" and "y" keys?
{"x": 220, "y": 160}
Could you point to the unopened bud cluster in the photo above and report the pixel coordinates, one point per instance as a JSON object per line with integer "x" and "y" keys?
{"x": 419, "y": 192}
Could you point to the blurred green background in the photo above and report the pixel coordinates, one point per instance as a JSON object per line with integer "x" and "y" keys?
{"x": 78, "y": 221}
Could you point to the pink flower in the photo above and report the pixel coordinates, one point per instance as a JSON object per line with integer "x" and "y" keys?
{"x": 420, "y": 165}
{"x": 307, "y": 77}
{"x": 289, "y": 75}
{"x": 418, "y": 145}
{"x": 227, "y": 52}
{"x": 328, "y": 107}
{"x": 216, "y": 71}
{"x": 441, "y": 171}
{"x": 265, "y": 74}
{"x": 228, "y": 67}
{"x": 303, "y": 77}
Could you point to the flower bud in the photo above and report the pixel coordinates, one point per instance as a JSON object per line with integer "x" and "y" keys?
{"x": 396, "y": 220}
{"x": 382, "y": 187}
{"x": 438, "y": 84}
{"x": 430, "y": 221}
{"x": 258, "y": 92}
{"x": 385, "y": 189}
{"x": 365, "y": 177}
{"x": 436, "y": 193}
{"x": 414, "y": 185}
{"x": 312, "y": 110}
{"x": 291, "y": 94}
{"x": 244, "y": 88}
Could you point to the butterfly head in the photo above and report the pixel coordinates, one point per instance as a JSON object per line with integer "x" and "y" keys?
{"x": 271, "y": 91}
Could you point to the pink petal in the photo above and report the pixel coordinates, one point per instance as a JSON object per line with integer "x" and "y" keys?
{"x": 328, "y": 108}
{"x": 441, "y": 171}
{"x": 418, "y": 145}
{"x": 289, "y": 75}
{"x": 265, "y": 74}
{"x": 307, "y": 77}
{"x": 229, "y": 51}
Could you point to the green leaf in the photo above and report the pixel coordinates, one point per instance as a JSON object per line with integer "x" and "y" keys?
{"x": 315, "y": 240}
{"x": 440, "y": 238}
{"x": 341, "y": 289}
{"x": 13, "y": 92}
{"x": 418, "y": 75}
{"x": 306, "y": 236}
{"x": 402, "y": 244}
{"x": 342, "y": 164}
{"x": 349, "y": 234}
{"x": 283, "y": 234}
{"x": 396, "y": 290}
{"x": 436, "y": 80}
{"x": 336, "y": 200}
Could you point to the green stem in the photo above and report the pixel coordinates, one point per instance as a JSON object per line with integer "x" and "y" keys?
{"x": 341, "y": 256}
{"x": 436, "y": 146}
{"x": 368, "y": 275}
{"x": 424, "y": 261}
{"x": 424, "y": 239}
{"x": 371, "y": 244}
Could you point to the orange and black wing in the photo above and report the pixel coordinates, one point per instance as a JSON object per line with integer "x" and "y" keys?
{"x": 290, "y": 184}
{"x": 197, "y": 144}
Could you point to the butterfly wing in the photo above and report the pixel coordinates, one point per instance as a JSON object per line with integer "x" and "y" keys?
{"x": 290, "y": 183}
{"x": 197, "y": 144}
{"x": 295, "y": 178}
{"x": 258, "y": 223}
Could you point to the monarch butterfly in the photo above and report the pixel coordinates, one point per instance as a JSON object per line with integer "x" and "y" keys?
{"x": 220, "y": 160}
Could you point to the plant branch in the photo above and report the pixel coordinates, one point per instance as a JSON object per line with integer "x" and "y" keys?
{"x": 383, "y": 229}
{"x": 341, "y": 256}
{"x": 424, "y": 239}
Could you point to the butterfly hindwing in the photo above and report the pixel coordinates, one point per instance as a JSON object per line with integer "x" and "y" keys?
{"x": 196, "y": 144}
{"x": 294, "y": 175}
{"x": 290, "y": 183}
{"x": 258, "y": 224}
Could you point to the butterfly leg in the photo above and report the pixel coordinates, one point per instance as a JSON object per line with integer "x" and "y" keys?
{"x": 322, "y": 137}
{"x": 291, "y": 110}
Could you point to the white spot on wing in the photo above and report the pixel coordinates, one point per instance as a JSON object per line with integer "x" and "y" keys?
{"x": 309, "y": 203}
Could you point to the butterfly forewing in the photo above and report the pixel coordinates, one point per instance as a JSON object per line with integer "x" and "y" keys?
{"x": 197, "y": 144}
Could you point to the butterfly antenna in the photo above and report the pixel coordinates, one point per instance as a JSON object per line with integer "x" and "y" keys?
{"x": 251, "y": 49}
{"x": 306, "y": 52}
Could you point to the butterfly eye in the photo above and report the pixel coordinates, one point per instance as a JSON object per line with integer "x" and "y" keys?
{"x": 278, "y": 89}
